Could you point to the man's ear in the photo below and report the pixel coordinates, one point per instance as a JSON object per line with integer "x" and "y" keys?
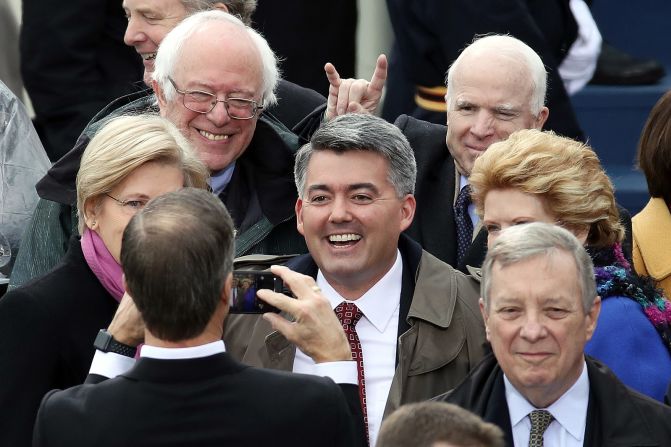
{"x": 542, "y": 118}
{"x": 221, "y": 7}
{"x": 485, "y": 317}
{"x": 408, "y": 206}
{"x": 160, "y": 96}
{"x": 299, "y": 215}
{"x": 228, "y": 287}
{"x": 592, "y": 316}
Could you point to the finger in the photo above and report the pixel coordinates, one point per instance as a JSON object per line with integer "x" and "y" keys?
{"x": 343, "y": 96}
{"x": 355, "y": 107}
{"x": 301, "y": 285}
{"x": 358, "y": 90}
{"x": 280, "y": 324}
{"x": 332, "y": 74}
{"x": 380, "y": 74}
{"x": 332, "y": 99}
{"x": 278, "y": 300}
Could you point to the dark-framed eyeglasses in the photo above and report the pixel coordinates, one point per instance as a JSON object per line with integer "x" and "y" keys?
{"x": 205, "y": 102}
{"x": 129, "y": 206}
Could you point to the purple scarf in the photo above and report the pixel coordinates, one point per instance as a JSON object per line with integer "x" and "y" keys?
{"x": 103, "y": 265}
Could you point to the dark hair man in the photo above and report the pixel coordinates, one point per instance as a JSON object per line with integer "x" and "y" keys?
{"x": 437, "y": 424}
{"x": 416, "y": 324}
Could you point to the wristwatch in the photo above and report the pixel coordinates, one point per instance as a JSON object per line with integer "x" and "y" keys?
{"x": 106, "y": 343}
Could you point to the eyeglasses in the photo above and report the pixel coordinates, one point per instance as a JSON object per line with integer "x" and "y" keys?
{"x": 205, "y": 102}
{"x": 129, "y": 206}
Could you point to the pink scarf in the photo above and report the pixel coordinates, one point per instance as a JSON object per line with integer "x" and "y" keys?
{"x": 103, "y": 265}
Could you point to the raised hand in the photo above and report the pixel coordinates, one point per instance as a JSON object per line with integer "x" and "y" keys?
{"x": 355, "y": 95}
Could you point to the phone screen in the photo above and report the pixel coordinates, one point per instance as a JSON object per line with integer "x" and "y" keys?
{"x": 243, "y": 293}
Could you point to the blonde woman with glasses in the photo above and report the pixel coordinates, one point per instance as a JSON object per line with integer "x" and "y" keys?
{"x": 48, "y": 326}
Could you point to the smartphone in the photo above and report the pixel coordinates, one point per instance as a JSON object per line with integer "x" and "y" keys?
{"x": 245, "y": 285}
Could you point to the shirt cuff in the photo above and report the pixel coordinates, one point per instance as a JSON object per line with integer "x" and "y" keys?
{"x": 339, "y": 372}
{"x": 110, "y": 364}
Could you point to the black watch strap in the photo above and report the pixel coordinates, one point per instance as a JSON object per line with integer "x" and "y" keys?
{"x": 106, "y": 343}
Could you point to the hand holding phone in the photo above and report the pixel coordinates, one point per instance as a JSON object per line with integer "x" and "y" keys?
{"x": 314, "y": 327}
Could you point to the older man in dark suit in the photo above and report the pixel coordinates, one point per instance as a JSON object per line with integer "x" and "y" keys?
{"x": 185, "y": 389}
{"x": 540, "y": 306}
{"x": 497, "y": 86}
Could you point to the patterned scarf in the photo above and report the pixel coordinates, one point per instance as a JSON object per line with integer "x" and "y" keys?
{"x": 614, "y": 277}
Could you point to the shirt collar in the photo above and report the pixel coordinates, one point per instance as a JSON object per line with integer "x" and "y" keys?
{"x": 220, "y": 180}
{"x": 570, "y": 410}
{"x": 193, "y": 352}
{"x": 463, "y": 181}
{"x": 380, "y": 302}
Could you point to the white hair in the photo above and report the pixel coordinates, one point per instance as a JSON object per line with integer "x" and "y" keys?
{"x": 514, "y": 48}
{"x": 171, "y": 46}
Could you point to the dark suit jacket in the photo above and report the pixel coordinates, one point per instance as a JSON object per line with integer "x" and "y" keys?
{"x": 74, "y": 62}
{"x": 616, "y": 415}
{"x": 47, "y": 328}
{"x": 210, "y": 401}
{"x": 434, "y": 226}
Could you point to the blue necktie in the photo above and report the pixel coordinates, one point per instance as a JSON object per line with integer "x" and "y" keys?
{"x": 463, "y": 221}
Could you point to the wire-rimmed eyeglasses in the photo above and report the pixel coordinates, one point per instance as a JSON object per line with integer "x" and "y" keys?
{"x": 129, "y": 206}
{"x": 204, "y": 102}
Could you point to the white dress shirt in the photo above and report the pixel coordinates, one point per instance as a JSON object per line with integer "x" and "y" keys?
{"x": 569, "y": 412}
{"x": 578, "y": 66}
{"x": 378, "y": 333}
{"x": 110, "y": 364}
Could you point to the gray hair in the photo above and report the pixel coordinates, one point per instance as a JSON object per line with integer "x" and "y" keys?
{"x": 171, "y": 48}
{"x": 514, "y": 48}
{"x": 522, "y": 242}
{"x": 362, "y": 132}
{"x": 243, "y": 9}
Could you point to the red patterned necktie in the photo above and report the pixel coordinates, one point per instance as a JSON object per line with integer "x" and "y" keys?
{"x": 349, "y": 315}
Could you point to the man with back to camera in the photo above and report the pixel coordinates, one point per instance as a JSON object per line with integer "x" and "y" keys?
{"x": 185, "y": 389}
{"x": 149, "y": 21}
{"x": 540, "y": 306}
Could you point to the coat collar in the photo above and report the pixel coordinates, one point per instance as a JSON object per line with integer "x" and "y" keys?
{"x": 185, "y": 370}
{"x": 426, "y": 303}
{"x": 652, "y": 235}
{"x": 615, "y": 417}
{"x": 614, "y": 411}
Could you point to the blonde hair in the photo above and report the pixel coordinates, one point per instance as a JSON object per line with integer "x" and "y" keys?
{"x": 567, "y": 174}
{"x": 123, "y": 145}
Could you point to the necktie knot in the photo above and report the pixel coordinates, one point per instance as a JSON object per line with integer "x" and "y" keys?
{"x": 348, "y": 314}
{"x": 463, "y": 199}
{"x": 540, "y": 420}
